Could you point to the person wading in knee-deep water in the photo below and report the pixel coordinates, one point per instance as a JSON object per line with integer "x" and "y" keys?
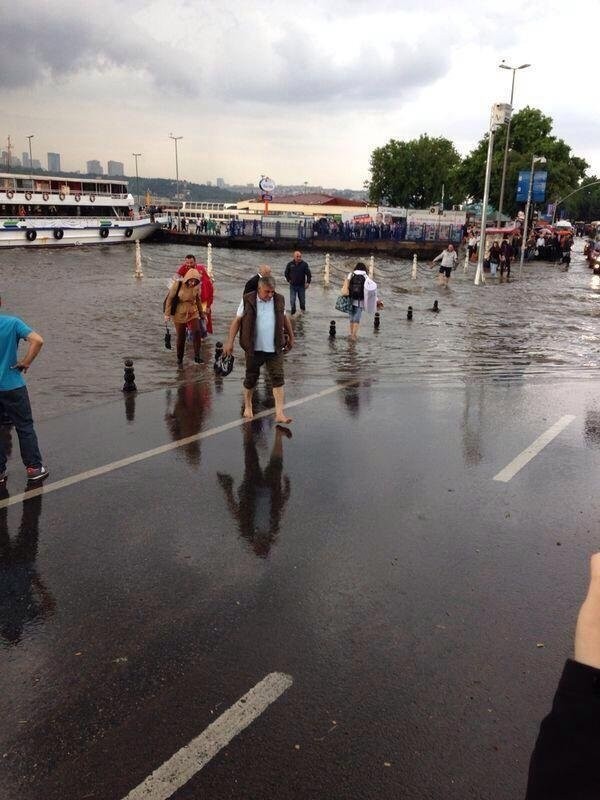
{"x": 298, "y": 275}
{"x": 265, "y": 334}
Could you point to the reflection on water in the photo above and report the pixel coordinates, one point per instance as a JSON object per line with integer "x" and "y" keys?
{"x": 544, "y": 324}
{"x": 591, "y": 428}
{"x": 263, "y": 493}
{"x": 24, "y": 599}
{"x": 186, "y": 410}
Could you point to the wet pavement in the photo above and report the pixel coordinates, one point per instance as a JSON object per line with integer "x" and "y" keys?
{"x": 422, "y": 609}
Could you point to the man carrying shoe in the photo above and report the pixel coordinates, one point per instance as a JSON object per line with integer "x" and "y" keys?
{"x": 265, "y": 334}
{"x": 14, "y": 398}
{"x": 297, "y": 274}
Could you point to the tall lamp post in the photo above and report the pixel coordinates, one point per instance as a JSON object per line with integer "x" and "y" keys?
{"x": 137, "y": 177}
{"x": 30, "y": 137}
{"x": 176, "y": 139}
{"x": 499, "y": 116}
{"x": 505, "y": 161}
{"x": 535, "y": 160}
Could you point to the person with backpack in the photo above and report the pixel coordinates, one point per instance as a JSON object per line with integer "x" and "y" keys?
{"x": 362, "y": 292}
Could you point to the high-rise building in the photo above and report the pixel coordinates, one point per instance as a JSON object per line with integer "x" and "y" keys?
{"x": 53, "y": 162}
{"x": 36, "y": 163}
{"x": 25, "y": 159}
{"x": 94, "y": 167}
{"x": 220, "y": 183}
{"x": 115, "y": 168}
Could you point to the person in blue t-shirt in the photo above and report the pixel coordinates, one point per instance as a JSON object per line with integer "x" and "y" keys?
{"x": 14, "y": 398}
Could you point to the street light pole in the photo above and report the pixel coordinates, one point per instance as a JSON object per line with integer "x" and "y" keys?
{"x": 137, "y": 178}
{"x": 176, "y": 139}
{"x": 535, "y": 160}
{"x": 506, "y": 145}
{"x": 30, "y": 137}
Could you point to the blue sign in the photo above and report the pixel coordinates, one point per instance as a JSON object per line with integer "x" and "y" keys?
{"x": 538, "y": 194}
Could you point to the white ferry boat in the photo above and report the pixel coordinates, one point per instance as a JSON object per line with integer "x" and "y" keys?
{"x": 47, "y": 211}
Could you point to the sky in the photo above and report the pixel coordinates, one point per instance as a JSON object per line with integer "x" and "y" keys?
{"x": 302, "y": 92}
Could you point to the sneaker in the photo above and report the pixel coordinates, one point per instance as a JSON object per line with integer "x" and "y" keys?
{"x": 37, "y": 473}
{"x": 198, "y": 360}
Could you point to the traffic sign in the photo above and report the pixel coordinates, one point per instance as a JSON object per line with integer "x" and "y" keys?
{"x": 267, "y": 197}
{"x": 266, "y": 184}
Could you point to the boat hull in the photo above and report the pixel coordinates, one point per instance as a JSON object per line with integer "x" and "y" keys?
{"x": 74, "y": 235}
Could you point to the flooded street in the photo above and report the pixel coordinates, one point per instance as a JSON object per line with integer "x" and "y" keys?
{"x": 93, "y": 314}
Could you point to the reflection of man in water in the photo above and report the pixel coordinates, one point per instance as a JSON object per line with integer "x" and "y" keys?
{"x": 23, "y": 596}
{"x": 262, "y": 494}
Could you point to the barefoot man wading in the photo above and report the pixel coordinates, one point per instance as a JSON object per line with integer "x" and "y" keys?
{"x": 264, "y": 331}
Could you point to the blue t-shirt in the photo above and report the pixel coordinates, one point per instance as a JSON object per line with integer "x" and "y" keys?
{"x": 11, "y": 330}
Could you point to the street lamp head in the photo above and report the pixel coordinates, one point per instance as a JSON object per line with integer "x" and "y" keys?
{"x": 524, "y": 66}
{"x": 539, "y": 159}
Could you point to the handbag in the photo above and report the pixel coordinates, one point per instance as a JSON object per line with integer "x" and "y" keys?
{"x": 343, "y": 304}
{"x": 174, "y": 301}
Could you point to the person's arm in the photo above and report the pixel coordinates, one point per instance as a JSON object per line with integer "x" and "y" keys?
{"x": 565, "y": 757}
{"x": 308, "y": 275}
{"x": 233, "y": 332}
{"x": 170, "y": 296}
{"x": 287, "y": 273}
{"x": 35, "y": 342}
{"x": 289, "y": 330}
{"x": 438, "y": 258}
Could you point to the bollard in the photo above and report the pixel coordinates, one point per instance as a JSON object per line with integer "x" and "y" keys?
{"x": 435, "y": 307}
{"x": 409, "y": 313}
{"x": 218, "y": 354}
{"x": 332, "y": 330}
{"x": 466, "y": 265}
{"x": 376, "y": 321}
{"x": 371, "y": 266}
{"x": 326, "y": 270}
{"x": 129, "y": 385}
{"x": 209, "y": 266}
{"x": 413, "y": 274}
{"x": 138, "y": 260}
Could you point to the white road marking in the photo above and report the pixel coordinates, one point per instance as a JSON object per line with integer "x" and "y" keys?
{"x": 157, "y": 451}
{"x": 185, "y": 763}
{"x": 536, "y": 447}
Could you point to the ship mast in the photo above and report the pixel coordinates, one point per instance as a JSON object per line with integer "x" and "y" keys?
{"x": 8, "y": 149}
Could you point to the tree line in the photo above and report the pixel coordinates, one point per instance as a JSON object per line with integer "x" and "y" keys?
{"x": 421, "y": 172}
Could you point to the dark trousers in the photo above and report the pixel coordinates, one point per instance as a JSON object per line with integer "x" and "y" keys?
{"x": 300, "y": 293}
{"x": 15, "y": 404}
{"x": 181, "y": 328}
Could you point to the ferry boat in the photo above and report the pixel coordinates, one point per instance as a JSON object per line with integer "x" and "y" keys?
{"x": 52, "y": 211}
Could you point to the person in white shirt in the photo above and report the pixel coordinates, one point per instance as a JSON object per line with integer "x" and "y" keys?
{"x": 448, "y": 257}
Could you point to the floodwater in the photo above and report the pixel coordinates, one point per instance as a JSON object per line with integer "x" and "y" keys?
{"x": 93, "y": 314}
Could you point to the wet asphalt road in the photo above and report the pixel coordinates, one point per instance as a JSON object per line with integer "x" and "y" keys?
{"x": 422, "y": 609}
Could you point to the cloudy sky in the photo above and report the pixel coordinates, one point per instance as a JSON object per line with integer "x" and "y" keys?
{"x": 302, "y": 92}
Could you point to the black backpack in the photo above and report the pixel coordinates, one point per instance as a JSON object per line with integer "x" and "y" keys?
{"x": 356, "y": 287}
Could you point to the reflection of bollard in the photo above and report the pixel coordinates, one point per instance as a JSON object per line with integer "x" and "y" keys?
{"x": 332, "y": 329}
{"x": 218, "y": 354}
{"x": 138, "y": 260}
{"x": 130, "y": 406}
{"x": 371, "y": 266}
{"x": 129, "y": 385}
{"x": 413, "y": 273}
{"x": 409, "y": 313}
{"x": 209, "y": 264}
{"x": 435, "y": 308}
{"x": 326, "y": 270}
{"x": 376, "y": 321}
{"x": 466, "y": 266}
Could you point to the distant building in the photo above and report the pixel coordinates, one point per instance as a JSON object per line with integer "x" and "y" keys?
{"x": 311, "y": 204}
{"x": 36, "y": 163}
{"x": 25, "y": 159}
{"x": 220, "y": 183}
{"x": 94, "y": 167}
{"x": 53, "y": 162}
{"x": 115, "y": 168}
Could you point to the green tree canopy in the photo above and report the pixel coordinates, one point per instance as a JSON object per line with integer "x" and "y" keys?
{"x": 412, "y": 173}
{"x": 530, "y": 134}
{"x": 585, "y": 203}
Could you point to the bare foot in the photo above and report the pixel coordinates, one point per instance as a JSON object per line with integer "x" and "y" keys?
{"x": 248, "y": 413}
{"x": 283, "y": 419}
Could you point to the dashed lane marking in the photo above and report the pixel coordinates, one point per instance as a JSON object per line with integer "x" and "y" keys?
{"x": 517, "y": 464}
{"x": 185, "y": 763}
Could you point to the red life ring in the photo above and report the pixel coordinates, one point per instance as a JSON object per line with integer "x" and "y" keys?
{"x": 92, "y": 198}
{"x": 45, "y": 195}
{"x": 77, "y": 197}
{"x": 28, "y": 195}
{"x": 61, "y": 196}
{"x": 10, "y": 194}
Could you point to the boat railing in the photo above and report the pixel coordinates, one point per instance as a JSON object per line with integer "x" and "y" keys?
{"x": 48, "y": 194}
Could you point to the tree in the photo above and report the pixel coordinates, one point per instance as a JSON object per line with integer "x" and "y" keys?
{"x": 530, "y": 134}
{"x": 585, "y": 204}
{"x": 412, "y": 173}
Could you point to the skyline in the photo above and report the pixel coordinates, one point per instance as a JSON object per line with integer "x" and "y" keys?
{"x": 300, "y": 97}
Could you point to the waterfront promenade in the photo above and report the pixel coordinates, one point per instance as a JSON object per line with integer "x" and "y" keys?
{"x": 392, "y": 589}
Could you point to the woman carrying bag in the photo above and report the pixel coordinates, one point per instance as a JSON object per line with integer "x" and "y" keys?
{"x": 361, "y": 292}
{"x": 183, "y": 303}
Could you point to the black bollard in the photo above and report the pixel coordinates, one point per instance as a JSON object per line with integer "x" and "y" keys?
{"x": 129, "y": 385}
{"x": 218, "y": 354}
{"x": 332, "y": 331}
{"x": 409, "y": 313}
{"x": 376, "y": 321}
{"x": 435, "y": 308}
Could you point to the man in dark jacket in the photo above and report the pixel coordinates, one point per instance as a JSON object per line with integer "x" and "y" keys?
{"x": 265, "y": 334}
{"x": 563, "y": 765}
{"x": 297, "y": 274}
{"x": 252, "y": 285}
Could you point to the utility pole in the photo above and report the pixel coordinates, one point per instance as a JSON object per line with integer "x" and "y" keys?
{"x": 506, "y": 145}
{"x": 137, "y": 178}
{"x": 176, "y": 139}
{"x": 30, "y": 160}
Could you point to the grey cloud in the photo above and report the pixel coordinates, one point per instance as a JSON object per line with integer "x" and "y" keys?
{"x": 60, "y": 39}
